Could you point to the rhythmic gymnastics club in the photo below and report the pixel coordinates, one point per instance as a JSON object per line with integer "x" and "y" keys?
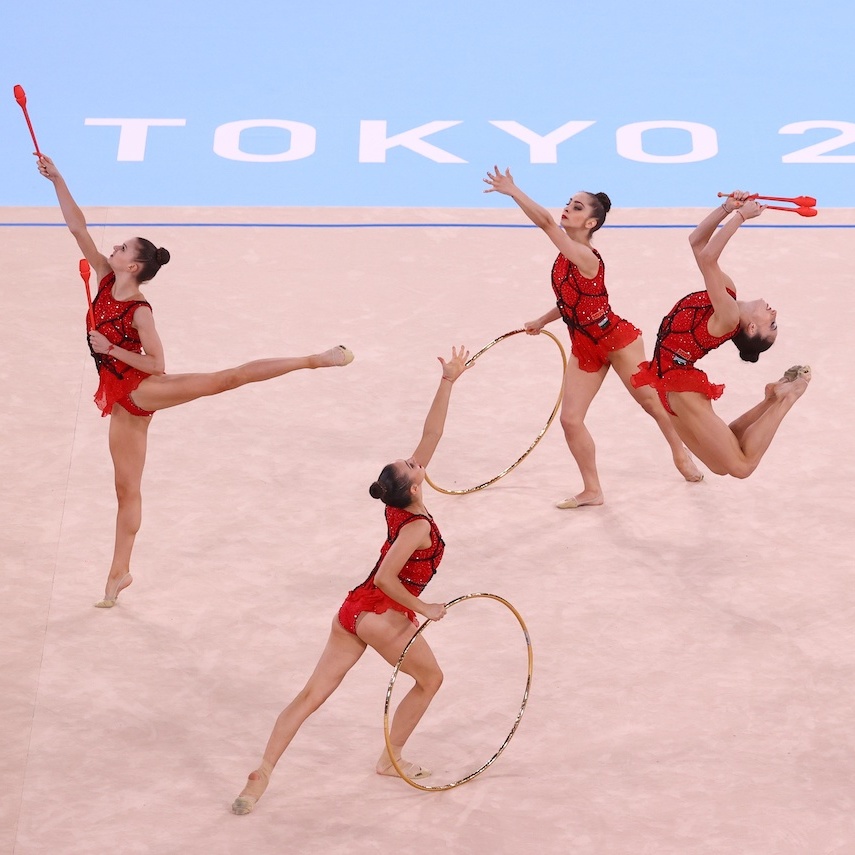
{"x": 21, "y": 98}
{"x": 801, "y": 210}
{"x": 801, "y": 201}
{"x": 84, "y": 275}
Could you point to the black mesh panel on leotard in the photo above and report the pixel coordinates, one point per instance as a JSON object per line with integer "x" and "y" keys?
{"x": 417, "y": 561}
{"x": 116, "y": 329}
{"x": 431, "y": 560}
{"x": 588, "y": 305}
{"x": 683, "y": 338}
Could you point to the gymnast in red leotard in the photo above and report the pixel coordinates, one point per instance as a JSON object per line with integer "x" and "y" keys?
{"x": 701, "y": 322}
{"x": 600, "y": 339}
{"x": 129, "y": 356}
{"x": 381, "y": 612}
{"x": 414, "y": 575}
{"x": 114, "y": 319}
{"x": 595, "y": 330}
{"x": 683, "y": 338}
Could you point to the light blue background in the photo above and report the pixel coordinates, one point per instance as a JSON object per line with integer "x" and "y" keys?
{"x": 745, "y": 68}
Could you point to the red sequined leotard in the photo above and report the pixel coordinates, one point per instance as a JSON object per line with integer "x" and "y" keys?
{"x": 683, "y": 338}
{"x": 114, "y": 320}
{"x": 595, "y": 330}
{"x": 414, "y": 576}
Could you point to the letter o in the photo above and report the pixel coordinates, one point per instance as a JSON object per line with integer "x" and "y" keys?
{"x": 704, "y": 143}
{"x": 227, "y": 140}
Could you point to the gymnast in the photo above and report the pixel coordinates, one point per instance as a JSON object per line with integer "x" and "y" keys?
{"x": 600, "y": 339}
{"x": 381, "y": 612}
{"x": 129, "y": 355}
{"x": 699, "y": 323}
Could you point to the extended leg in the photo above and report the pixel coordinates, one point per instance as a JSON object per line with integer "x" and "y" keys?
{"x": 341, "y": 653}
{"x": 169, "y": 390}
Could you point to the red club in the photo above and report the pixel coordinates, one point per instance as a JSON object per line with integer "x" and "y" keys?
{"x": 802, "y": 210}
{"x": 21, "y": 98}
{"x": 801, "y": 201}
{"x": 84, "y": 275}
{"x": 804, "y": 205}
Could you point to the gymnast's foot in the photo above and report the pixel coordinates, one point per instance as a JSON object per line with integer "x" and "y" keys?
{"x": 580, "y": 500}
{"x": 335, "y": 356}
{"x": 111, "y": 594}
{"x": 686, "y": 466}
{"x": 256, "y": 784}
{"x": 411, "y": 770}
{"x": 800, "y": 383}
{"x": 790, "y": 384}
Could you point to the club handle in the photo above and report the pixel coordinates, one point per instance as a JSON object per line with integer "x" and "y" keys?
{"x": 85, "y": 272}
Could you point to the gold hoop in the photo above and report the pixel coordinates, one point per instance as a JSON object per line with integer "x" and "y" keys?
{"x": 537, "y": 439}
{"x": 418, "y": 632}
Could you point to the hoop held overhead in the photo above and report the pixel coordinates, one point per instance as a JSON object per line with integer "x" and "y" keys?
{"x": 537, "y": 439}
{"x": 418, "y": 632}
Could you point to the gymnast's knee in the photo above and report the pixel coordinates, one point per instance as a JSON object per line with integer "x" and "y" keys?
{"x": 649, "y": 402}
{"x": 432, "y": 681}
{"x": 571, "y": 422}
{"x": 741, "y": 469}
{"x": 127, "y": 492}
{"x": 312, "y": 698}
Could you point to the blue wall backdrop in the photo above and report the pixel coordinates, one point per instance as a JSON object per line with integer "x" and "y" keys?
{"x": 256, "y": 103}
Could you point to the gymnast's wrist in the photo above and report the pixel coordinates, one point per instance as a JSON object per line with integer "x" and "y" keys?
{"x": 726, "y": 209}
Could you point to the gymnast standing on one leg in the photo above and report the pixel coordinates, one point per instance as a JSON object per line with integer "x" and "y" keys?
{"x": 600, "y": 339}
{"x": 133, "y": 383}
{"x": 381, "y": 612}
{"x": 699, "y": 323}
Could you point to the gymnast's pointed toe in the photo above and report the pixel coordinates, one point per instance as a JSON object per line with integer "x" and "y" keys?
{"x": 341, "y": 355}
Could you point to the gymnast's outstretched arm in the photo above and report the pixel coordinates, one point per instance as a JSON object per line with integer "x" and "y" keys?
{"x": 74, "y": 218}
{"x": 435, "y": 421}
{"x": 582, "y": 256}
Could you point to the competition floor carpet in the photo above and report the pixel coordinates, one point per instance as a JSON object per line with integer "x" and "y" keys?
{"x": 693, "y": 643}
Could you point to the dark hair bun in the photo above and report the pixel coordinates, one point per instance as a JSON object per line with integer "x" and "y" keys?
{"x": 162, "y": 256}
{"x": 749, "y": 357}
{"x": 605, "y": 201}
{"x": 376, "y": 490}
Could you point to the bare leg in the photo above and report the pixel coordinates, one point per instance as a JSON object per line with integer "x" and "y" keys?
{"x": 341, "y": 653}
{"x": 739, "y": 425}
{"x": 388, "y": 634}
{"x": 625, "y": 362}
{"x": 128, "y": 436}
{"x": 580, "y": 389}
{"x": 169, "y": 390}
{"x": 717, "y": 445}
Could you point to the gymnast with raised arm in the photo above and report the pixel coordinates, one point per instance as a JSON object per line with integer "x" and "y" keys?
{"x": 381, "y": 612}
{"x": 600, "y": 339}
{"x": 701, "y": 322}
{"x": 133, "y": 384}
